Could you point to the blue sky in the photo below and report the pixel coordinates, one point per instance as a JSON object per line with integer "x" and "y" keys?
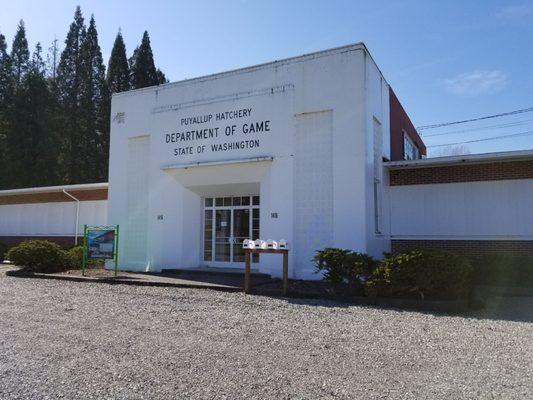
{"x": 446, "y": 60}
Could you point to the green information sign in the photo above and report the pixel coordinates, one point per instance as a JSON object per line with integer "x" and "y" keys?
{"x": 100, "y": 243}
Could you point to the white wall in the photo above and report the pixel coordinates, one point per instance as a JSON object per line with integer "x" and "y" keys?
{"x": 467, "y": 210}
{"x": 50, "y": 219}
{"x": 377, "y": 110}
{"x": 333, "y": 82}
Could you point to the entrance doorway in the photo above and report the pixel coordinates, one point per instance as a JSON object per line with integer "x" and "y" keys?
{"x": 227, "y": 222}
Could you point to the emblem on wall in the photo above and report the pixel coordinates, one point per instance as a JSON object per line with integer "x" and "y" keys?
{"x": 119, "y": 117}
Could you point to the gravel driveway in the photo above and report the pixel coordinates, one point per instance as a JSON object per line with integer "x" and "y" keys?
{"x": 84, "y": 340}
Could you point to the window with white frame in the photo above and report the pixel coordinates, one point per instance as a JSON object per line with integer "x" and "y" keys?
{"x": 410, "y": 150}
{"x": 378, "y": 158}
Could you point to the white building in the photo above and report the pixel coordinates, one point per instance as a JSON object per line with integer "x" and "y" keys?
{"x": 290, "y": 149}
{"x": 316, "y": 150}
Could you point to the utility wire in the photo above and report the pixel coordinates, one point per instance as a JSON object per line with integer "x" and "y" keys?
{"x": 527, "y": 133}
{"x": 523, "y": 110}
{"x": 509, "y": 124}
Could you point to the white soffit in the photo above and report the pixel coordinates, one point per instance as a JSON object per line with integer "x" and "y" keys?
{"x": 231, "y": 172}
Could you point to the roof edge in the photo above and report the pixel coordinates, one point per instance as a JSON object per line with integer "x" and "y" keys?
{"x": 55, "y": 189}
{"x": 517, "y": 155}
{"x": 333, "y": 50}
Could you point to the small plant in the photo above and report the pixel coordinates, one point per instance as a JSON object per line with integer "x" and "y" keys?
{"x": 433, "y": 274}
{"x": 38, "y": 256}
{"x": 345, "y": 269}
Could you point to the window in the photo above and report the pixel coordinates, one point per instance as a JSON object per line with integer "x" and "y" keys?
{"x": 410, "y": 150}
{"x": 378, "y": 158}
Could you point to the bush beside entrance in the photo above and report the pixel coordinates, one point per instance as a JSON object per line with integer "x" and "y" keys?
{"x": 346, "y": 270}
{"x": 422, "y": 274}
{"x": 38, "y": 256}
{"x": 415, "y": 274}
{"x": 45, "y": 256}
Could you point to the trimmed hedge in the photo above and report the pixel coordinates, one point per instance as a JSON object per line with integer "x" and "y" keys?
{"x": 503, "y": 270}
{"x": 38, "y": 256}
{"x": 422, "y": 274}
{"x": 416, "y": 274}
{"x": 346, "y": 270}
{"x": 45, "y": 256}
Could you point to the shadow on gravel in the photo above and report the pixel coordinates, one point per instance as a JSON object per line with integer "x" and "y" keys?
{"x": 506, "y": 308}
{"x": 496, "y": 307}
{"x": 515, "y": 309}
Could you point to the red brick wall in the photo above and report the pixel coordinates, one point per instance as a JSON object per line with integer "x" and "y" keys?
{"x": 467, "y": 247}
{"x": 400, "y": 122}
{"x": 462, "y": 173}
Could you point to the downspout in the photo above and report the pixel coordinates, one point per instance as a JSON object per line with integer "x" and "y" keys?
{"x": 77, "y": 215}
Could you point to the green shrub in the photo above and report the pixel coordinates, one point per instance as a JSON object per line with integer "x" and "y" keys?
{"x": 345, "y": 269}
{"x": 3, "y": 251}
{"x": 74, "y": 257}
{"x": 423, "y": 274}
{"x": 503, "y": 270}
{"x": 38, "y": 256}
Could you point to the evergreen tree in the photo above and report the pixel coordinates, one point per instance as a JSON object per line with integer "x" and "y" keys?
{"x": 161, "y": 78}
{"x": 94, "y": 104}
{"x": 31, "y": 157}
{"x": 143, "y": 71}
{"x": 69, "y": 75}
{"x": 52, "y": 59}
{"x": 5, "y": 97}
{"x": 5, "y": 70}
{"x": 20, "y": 54}
{"x": 15, "y": 153}
{"x": 118, "y": 70}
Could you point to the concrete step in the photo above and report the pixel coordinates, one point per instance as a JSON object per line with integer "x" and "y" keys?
{"x": 213, "y": 272}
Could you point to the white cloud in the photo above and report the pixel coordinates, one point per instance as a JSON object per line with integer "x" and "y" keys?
{"x": 477, "y": 82}
{"x": 515, "y": 11}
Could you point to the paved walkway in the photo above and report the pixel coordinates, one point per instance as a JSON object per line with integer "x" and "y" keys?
{"x": 228, "y": 282}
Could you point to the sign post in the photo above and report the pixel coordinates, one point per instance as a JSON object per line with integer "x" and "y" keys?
{"x": 100, "y": 243}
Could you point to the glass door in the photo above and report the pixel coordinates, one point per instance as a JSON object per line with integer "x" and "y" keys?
{"x": 227, "y": 222}
{"x": 223, "y": 235}
{"x": 241, "y": 231}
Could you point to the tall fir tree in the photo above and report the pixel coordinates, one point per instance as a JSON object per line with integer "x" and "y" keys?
{"x": 30, "y": 143}
{"x": 118, "y": 70}
{"x": 20, "y": 54}
{"x": 143, "y": 71}
{"x": 5, "y": 98}
{"x": 15, "y": 152}
{"x": 69, "y": 86}
{"x": 161, "y": 78}
{"x": 5, "y": 70}
{"x": 94, "y": 103}
{"x": 30, "y": 152}
{"x": 52, "y": 59}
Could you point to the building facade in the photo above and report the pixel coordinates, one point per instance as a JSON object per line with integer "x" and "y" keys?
{"x": 290, "y": 150}
{"x": 316, "y": 150}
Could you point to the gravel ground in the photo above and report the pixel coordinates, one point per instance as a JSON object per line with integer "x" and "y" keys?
{"x": 85, "y": 340}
